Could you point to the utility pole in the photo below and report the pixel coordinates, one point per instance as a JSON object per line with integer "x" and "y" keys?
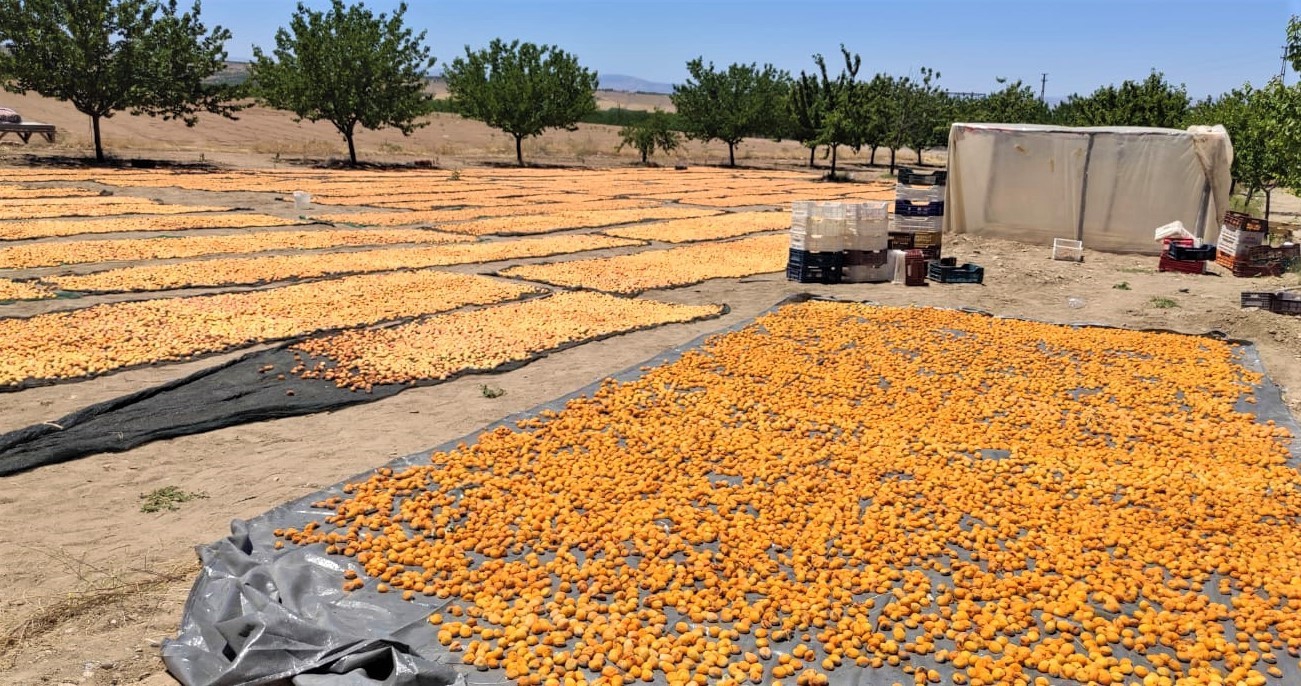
{"x": 1043, "y": 86}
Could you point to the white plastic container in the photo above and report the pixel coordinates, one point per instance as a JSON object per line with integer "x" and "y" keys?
{"x": 1068, "y": 250}
{"x": 302, "y": 200}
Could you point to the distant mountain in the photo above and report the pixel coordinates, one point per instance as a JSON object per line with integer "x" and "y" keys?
{"x": 632, "y": 84}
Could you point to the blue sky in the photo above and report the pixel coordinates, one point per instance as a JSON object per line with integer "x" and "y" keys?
{"x": 1210, "y": 46}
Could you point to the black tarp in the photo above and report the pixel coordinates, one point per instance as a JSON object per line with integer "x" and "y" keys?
{"x": 258, "y": 615}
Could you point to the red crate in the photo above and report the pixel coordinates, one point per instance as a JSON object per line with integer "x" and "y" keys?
{"x": 1246, "y": 222}
{"x": 1243, "y": 268}
{"x": 1170, "y": 264}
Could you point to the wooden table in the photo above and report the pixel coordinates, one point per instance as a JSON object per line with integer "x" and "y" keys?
{"x": 26, "y": 130}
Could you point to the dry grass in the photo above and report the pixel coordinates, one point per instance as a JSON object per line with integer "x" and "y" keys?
{"x": 101, "y": 589}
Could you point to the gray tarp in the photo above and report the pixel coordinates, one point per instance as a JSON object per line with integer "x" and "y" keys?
{"x": 257, "y": 615}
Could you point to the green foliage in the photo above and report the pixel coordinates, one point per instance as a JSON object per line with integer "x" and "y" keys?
{"x": 1265, "y": 127}
{"x": 922, "y": 115}
{"x": 1163, "y": 303}
{"x": 491, "y": 392}
{"x": 108, "y": 56}
{"x": 167, "y": 498}
{"x": 522, "y": 89}
{"x": 622, "y": 116}
{"x": 1122, "y": 286}
{"x": 878, "y": 111}
{"x": 1015, "y": 103}
{"x": 1294, "y": 42}
{"x": 743, "y": 100}
{"x": 839, "y": 101}
{"x": 651, "y": 133}
{"x": 1151, "y": 102}
{"x": 349, "y": 67}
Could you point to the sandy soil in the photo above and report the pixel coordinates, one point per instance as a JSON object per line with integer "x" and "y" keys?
{"x": 265, "y": 137}
{"x": 91, "y": 584}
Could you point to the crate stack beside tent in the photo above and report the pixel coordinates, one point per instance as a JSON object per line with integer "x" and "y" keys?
{"x": 1244, "y": 248}
{"x": 918, "y": 222}
{"x": 833, "y": 242}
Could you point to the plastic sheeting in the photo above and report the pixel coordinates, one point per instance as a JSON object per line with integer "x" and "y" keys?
{"x": 1108, "y": 187}
{"x": 258, "y": 615}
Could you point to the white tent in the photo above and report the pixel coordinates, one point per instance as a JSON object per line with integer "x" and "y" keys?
{"x": 1108, "y": 187}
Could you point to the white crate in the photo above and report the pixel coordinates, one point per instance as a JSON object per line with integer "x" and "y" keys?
{"x": 869, "y": 242}
{"x": 816, "y": 243}
{"x": 862, "y": 273}
{"x": 1236, "y": 242}
{"x": 917, "y": 223}
{"x": 1068, "y": 250}
{"x": 919, "y": 193}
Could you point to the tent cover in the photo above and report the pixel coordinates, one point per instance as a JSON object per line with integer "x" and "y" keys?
{"x": 1110, "y": 187}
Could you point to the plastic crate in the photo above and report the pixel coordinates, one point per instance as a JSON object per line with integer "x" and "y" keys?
{"x": 905, "y": 208}
{"x": 865, "y": 258}
{"x": 908, "y": 177}
{"x": 1264, "y": 253}
{"x": 1243, "y": 268}
{"x": 1068, "y": 250}
{"x": 1170, "y": 264}
{"x": 1257, "y": 299}
{"x": 872, "y": 242}
{"x": 1246, "y": 222}
{"x": 901, "y": 240}
{"x": 928, "y": 239}
{"x": 914, "y": 268}
{"x": 967, "y": 273}
{"x": 1237, "y": 241}
{"x": 930, "y": 252}
{"x": 1183, "y": 252}
{"x": 1283, "y": 303}
{"x": 907, "y": 223}
{"x": 919, "y": 193}
{"x": 807, "y": 242}
{"x": 814, "y": 267}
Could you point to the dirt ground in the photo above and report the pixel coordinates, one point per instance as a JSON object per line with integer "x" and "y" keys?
{"x": 92, "y": 585}
{"x": 265, "y": 137}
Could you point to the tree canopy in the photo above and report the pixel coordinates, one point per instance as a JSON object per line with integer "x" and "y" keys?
{"x": 521, "y": 88}
{"x": 729, "y": 105}
{"x": 109, "y": 56}
{"x": 649, "y": 134}
{"x": 1151, "y": 102}
{"x": 347, "y": 66}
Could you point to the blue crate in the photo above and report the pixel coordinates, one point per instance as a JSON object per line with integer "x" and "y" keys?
{"x": 942, "y": 273}
{"x": 815, "y": 267}
{"x": 904, "y": 208}
{"x": 914, "y": 178}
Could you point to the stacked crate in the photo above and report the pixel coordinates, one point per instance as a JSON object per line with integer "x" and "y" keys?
{"x": 1245, "y": 251}
{"x": 918, "y": 222}
{"x": 817, "y": 251}
{"x": 867, "y": 242}
{"x": 1179, "y": 254}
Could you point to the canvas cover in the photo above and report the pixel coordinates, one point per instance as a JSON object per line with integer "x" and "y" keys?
{"x": 1107, "y": 186}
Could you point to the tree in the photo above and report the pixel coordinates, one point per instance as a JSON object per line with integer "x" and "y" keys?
{"x": 745, "y": 100}
{"x": 522, "y": 89}
{"x": 110, "y": 56}
{"x": 804, "y": 108}
{"x": 838, "y": 100}
{"x": 650, "y": 133}
{"x": 921, "y": 114}
{"x": 877, "y": 112}
{"x": 1015, "y": 103}
{"x": 1152, "y": 102}
{"x": 1293, "y": 48}
{"x": 349, "y": 67}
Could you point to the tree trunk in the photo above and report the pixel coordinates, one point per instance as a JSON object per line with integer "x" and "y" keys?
{"x": 832, "y": 176}
{"x": 872, "y": 162}
{"x": 813, "y": 150}
{"x": 892, "y": 154}
{"x": 731, "y": 154}
{"x": 1269, "y": 192}
{"x": 519, "y": 149}
{"x": 919, "y": 157}
{"x": 645, "y": 158}
{"x": 352, "y": 148}
{"x": 99, "y": 145}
